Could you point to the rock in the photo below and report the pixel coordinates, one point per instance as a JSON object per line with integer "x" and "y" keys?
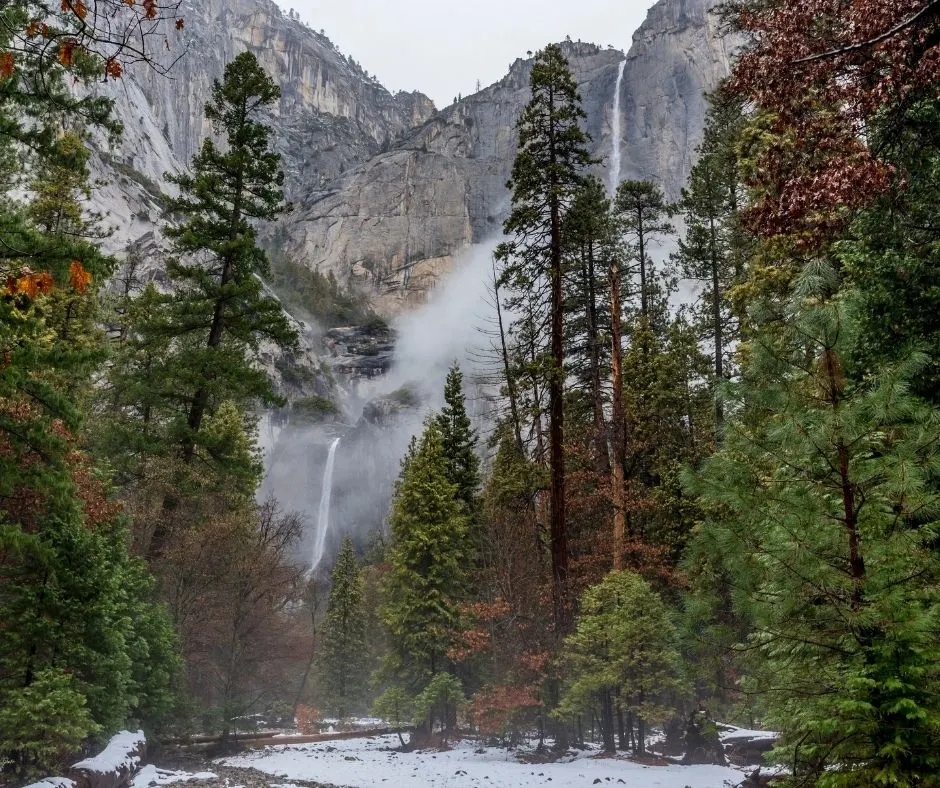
{"x": 394, "y": 226}
{"x": 756, "y": 780}
{"x": 386, "y": 191}
{"x": 115, "y": 766}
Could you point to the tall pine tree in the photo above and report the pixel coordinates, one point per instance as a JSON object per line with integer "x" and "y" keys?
{"x": 218, "y": 314}
{"x": 823, "y": 511}
{"x": 428, "y": 574}
{"x": 546, "y": 175}
{"x": 459, "y": 441}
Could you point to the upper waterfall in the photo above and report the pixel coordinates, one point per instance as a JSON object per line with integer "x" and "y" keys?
{"x": 615, "y": 132}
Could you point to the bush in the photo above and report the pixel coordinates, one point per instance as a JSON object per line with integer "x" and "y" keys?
{"x": 43, "y": 725}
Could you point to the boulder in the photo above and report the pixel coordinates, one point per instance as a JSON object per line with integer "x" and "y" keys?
{"x": 115, "y": 766}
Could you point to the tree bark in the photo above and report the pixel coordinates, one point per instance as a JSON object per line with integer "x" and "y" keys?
{"x": 559, "y": 533}
{"x": 617, "y": 425}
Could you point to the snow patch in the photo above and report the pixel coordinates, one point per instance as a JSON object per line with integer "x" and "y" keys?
{"x": 122, "y": 752}
{"x": 53, "y": 782}
{"x": 375, "y": 763}
{"x": 150, "y": 775}
{"x": 729, "y": 733}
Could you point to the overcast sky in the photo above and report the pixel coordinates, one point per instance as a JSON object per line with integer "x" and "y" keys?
{"x": 443, "y": 48}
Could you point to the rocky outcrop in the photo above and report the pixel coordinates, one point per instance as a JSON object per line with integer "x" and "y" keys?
{"x": 395, "y": 225}
{"x": 331, "y": 116}
{"x": 678, "y": 55}
{"x": 386, "y": 193}
{"x": 113, "y": 767}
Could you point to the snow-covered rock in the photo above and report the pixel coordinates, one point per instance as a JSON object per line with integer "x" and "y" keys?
{"x": 114, "y": 766}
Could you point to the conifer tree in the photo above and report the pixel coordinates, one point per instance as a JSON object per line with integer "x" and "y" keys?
{"x": 590, "y": 250}
{"x": 459, "y": 441}
{"x": 344, "y": 654}
{"x": 622, "y": 654}
{"x": 643, "y": 213}
{"x": 427, "y": 579}
{"x": 218, "y": 313}
{"x": 714, "y": 247}
{"x": 824, "y": 512}
{"x": 546, "y": 175}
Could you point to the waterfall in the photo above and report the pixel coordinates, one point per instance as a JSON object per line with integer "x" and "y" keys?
{"x": 323, "y": 513}
{"x": 615, "y": 132}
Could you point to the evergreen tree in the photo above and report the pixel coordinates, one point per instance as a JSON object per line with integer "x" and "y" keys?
{"x": 622, "y": 654}
{"x": 344, "y": 654}
{"x": 643, "y": 214}
{"x": 459, "y": 441}
{"x": 78, "y": 615}
{"x": 428, "y": 577}
{"x": 546, "y": 175}
{"x": 590, "y": 250}
{"x": 218, "y": 313}
{"x": 715, "y": 245}
{"x": 822, "y": 508}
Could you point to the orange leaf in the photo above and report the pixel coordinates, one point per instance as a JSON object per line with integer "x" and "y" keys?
{"x": 67, "y": 51}
{"x": 32, "y": 285}
{"x": 150, "y": 6}
{"x": 112, "y": 68}
{"x": 75, "y": 6}
{"x": 33, "y": 28}
{"x": 180, "y": 24}
{"x": 79, "y": 277}
{"x": 7, "y": 64}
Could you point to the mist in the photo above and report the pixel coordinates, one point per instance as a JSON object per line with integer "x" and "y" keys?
{"x": 379, "y": 415}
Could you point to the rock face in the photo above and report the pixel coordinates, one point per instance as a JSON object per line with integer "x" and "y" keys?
{"x": 394, "y": 225}
{"x": 386, "y": 191}
{"x": 331, "y": 115}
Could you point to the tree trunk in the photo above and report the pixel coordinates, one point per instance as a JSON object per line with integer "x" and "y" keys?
{"x": 507, "y": 370}
{"x": 559, "y": 533}
{"x": 716, "y": 320}
{"x": 600, "y": 428}
{"x": 617, "y": 425}
{"x": 607, "y": 722}
{"x": 641, "y": 240}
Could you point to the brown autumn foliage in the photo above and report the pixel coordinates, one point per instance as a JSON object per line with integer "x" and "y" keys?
{"x": 821, "y": 70}
{"x": 230, "y": 582}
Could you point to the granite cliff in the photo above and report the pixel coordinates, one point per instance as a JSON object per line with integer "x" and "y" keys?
{"x": 387, "y": 191}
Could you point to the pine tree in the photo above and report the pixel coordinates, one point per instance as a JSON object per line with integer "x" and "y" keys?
{"x": 546, "y": 175}
{"x": 427, "y": 578}
{"x": 344, "y": 654}
{"x": 715, "y": 245}
{"x": 643, "y": 214}
{"x": 623, "y": 653}
{"x": 823, "y": 511}
{"x": 218, "y": 313}
{"x": 590, "y": 250}
{"x": 459, "y": 441}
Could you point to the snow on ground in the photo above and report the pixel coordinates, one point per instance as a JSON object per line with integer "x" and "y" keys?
{"x": 122, "y": 753}
{"x": 374, "y": 763}
{"x": 53, "y": 782}
{"x": 150, "y": 775}
{"x": 729, "y": 733}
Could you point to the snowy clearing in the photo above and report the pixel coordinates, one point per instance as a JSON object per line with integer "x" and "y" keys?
{"x": 150, "y": 775}
{"x": 373, "y": 763}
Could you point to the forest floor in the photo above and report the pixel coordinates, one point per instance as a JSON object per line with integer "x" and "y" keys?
{"x": 377, "y": 762}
